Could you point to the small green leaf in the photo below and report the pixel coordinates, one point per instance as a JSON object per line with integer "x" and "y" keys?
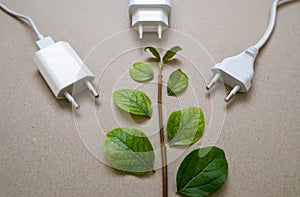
{"x": 129, "y": 150}
{"x": 141, "y": 71}
{"x": 154, "y": 52}
{"x": 171, "y": 53}
{"x": 186, "y": 126}
{"x": 177, "y": 82}
{"x": 202, "y": 172}
{"x": 134, "y": 102}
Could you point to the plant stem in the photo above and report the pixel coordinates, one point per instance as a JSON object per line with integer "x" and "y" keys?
{"x": 162, "y": 136}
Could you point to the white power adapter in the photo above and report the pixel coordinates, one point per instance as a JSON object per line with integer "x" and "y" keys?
{"x": 150, "y": 16}
{"x": 61, "y": 67}
{"x": 63, "y": 70}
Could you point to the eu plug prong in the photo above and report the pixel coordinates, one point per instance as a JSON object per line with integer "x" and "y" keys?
{"x": 159, "y": 31}
{"x": 92, "y": 89}
{"x": 232, "y": 93}
{"x": 213, "y": 81}
{"x": 71, "y": 100}
{"x": 141, "y": 31}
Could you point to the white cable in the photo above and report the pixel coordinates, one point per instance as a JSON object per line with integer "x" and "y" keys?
{"x": 271, "y": 25}
{"x": 24, "y": 17}
{"x": 238, "y": 71}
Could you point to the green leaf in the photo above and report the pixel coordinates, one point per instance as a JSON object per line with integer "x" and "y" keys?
{"x": 133, "y": 101}
{"x": 186, "y": 126}
{"x": 141, "y": 71}
{"x": 177, "y": 82}
{"x": 171, "y": 53}
{"x": 202, "y": 172}
{"x": 129, "y": 150}
{"x": 154, "y": 52}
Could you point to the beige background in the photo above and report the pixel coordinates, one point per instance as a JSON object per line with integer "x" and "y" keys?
{"x": 42, "y": 154}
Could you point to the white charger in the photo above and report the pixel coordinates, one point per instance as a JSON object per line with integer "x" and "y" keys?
{"x": 150, "y": 16}
{"x": 61, "y": 67}
{"x": 63, "y": 70}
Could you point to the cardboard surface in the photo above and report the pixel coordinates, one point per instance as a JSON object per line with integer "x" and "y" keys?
{"x": 42, "y": 153}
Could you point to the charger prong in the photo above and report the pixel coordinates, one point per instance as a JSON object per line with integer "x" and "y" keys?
{"x": 141, "y": 31}
{"x": 159, "y": 31}
{"x": 213, "y": 81}
{"x": 232, "y": 93}
{"x": 71, "y": 100}
{"x": 92, "y": 89}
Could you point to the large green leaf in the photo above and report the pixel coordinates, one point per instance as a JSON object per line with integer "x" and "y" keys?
{"x": 133, "y": 101}
{"x": 154, "y": 52}
{"x": 185, "y": 126}
{"x": 202, "y": 172}
{"x": 141, "y": 71}
{"x": 129, "y": 150}
{"x": 171, "y": 53}
{"x": 177, "y": 82}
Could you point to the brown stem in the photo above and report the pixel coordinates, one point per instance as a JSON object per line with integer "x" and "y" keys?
{"x": 162, "y": 136}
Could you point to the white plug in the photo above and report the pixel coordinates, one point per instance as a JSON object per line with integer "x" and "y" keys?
{"x": 236, "y": 72}
{"x": 63, "y": 70}
{"x": 150, "y": 16}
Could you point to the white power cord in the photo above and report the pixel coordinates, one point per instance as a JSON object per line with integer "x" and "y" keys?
{"x": 271, "y": 25}
{"x": 24, "y": 17}
{"x": 237, "y": 71}
{"x": 62, "y": 68}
